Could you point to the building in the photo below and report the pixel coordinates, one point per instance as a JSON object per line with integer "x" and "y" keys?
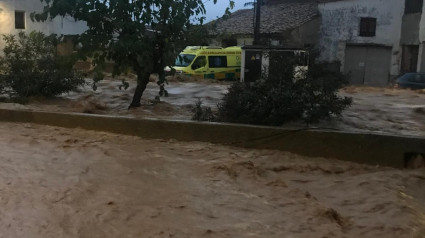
{"x": 283, "y": 23}
{"x": 15, "y": 17}
{"x": 413, "y": 37}
{"x": 373, "y": 40}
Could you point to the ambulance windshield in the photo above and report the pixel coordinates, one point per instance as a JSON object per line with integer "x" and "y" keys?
{"x": 184, "y": 60}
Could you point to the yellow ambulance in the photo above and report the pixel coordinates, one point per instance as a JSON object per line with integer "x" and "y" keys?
{"x": 209, "y": 62}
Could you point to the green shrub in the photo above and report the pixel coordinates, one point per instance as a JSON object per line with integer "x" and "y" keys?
{"x": 285, "y": 96}
{"x": 202, "y": 113}
{"x": 30, "y": 66}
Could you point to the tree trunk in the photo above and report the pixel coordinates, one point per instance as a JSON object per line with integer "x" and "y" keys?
{"x": 142, "y": 82}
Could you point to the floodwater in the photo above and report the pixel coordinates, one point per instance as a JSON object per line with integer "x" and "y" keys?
{"x": 374, "y": 110}
{"x": 58, "y": 182}
{"x": 394, "y": 111}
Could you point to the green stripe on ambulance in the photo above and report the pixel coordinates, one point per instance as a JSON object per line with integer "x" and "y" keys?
{"x": 210, "y": 62}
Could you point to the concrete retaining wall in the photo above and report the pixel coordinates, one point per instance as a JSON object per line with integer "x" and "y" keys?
{"x": 372, "y": 149}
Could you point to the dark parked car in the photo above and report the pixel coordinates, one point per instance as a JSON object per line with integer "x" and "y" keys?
{"x": 411, "y": 80}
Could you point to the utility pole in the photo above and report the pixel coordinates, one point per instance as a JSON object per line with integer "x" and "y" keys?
{"x": 257, "y": 22}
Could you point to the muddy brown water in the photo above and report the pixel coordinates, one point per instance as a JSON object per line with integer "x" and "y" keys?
{"x": 374, "y": 110}
{"x": 58, "y": 182}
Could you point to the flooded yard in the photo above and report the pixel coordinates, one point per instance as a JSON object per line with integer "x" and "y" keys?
{"x": 375, "y": 110}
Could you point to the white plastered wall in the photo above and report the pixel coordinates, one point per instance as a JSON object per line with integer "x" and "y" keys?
{"x": 341, "y": 22}
{"x": 59, "y": 25}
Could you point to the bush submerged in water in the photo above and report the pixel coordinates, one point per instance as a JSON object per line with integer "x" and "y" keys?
{"x": 284, "y": 96}
{"x": 30, "y": 66}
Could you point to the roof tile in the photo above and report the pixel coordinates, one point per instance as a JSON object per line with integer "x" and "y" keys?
{"x": 275, "y": 18}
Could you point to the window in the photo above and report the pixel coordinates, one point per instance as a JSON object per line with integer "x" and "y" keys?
{"x": 301, "y": 58}
{"x": 413, "y": 6}
{"x": 415, "y": 78}
{"x": 367, "y": 26}
{"x": 184, "y": 60}
{"x": 200, "y": 62}
{"x": 19, "y": 20}
{"x": 217, "y": 61}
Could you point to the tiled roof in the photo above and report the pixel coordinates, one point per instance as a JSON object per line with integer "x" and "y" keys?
{"x": 275, "y": 18}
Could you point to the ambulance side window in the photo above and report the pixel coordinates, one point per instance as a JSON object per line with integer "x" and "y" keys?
{"x": 217, "y": 61}
{"x": 200, "y": 62}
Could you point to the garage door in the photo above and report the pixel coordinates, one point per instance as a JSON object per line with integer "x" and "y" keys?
{"x": 368, "y": 65}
